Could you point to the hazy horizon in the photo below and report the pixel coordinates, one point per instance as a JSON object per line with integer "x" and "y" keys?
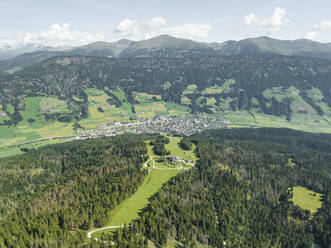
{"x": 79, "y": 22}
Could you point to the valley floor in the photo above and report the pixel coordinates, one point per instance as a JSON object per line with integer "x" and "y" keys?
{"x": 13, "y": 139}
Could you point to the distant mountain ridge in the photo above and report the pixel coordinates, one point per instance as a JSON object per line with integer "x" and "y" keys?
{"x": 266, "y": 45}
{"x": 168, "y": 46}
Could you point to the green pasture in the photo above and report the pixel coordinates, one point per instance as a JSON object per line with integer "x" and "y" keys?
{"x": 307, "y": 199}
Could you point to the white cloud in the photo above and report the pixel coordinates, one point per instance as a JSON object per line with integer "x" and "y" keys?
{"x": 320, "y": 32}
{"x": 127, "y": 27}
{"x": 188, "y": 31}
{"x": 326, "y": 25}
{"x": 158, "y": 25}
{"x": 251, "y": 19}
{"x": 272, "y": 24}
{"x": 156, "y": 22}
{"x": 312, "y": 35}
{"x": 56, "y": 35}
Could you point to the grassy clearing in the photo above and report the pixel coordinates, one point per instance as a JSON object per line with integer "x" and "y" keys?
{"x": 149, "y": 109}
{"x": 98, "y": 100}
{"x": 129, "y": 209}
{"x": 185, "y": 100}
{"x": 16, "y": 150}
{"x": 10, "y": 151}
{"x": 226, "y": 87}
{"x": 93, "y": 92}
{"x": 240, "y": 118}
{"x": 301, "y": 122}
{"x": 14, "y": 138}
{"x": 216, "y": 89}
{"x": 176, "y": 109}
{"x": 150, "y": 105}
{"x": 144, "y": 97}
{"x": 298, "y": 105}
{"x": 32, "y": 116}
{"x": 120, "y": 94}
{"x": 291, "y": 163}
{"x": 315, "y": 94}
{"x": 224, "y": 103}
{"x": 53, "y": 105}
{"x": 278, "y": 93}
{"x": 318, "y": 97}
{"x": 307, "y": 199}
{"x": 6, "y": 132}
{"x": 190, "y": 89}
{"x": 211, "y": 101}
{"x": 10, "y": 109}
{"x": 175, "y": 149}
{"x": 173, "y": 243}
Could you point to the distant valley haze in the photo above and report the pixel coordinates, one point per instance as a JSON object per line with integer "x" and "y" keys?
{"x": 75, "y": 23}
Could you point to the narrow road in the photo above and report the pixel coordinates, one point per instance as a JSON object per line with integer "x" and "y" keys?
{"x": 89, "y": 234}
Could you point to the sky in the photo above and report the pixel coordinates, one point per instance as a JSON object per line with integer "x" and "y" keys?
{"x": 77, "y": 22}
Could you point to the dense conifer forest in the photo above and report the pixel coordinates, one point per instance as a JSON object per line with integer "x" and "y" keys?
{"x": 237, "y": 195}
{"x": 51, "y": 195}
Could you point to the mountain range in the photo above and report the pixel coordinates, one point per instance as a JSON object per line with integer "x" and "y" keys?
{"x": 166, "y": 46}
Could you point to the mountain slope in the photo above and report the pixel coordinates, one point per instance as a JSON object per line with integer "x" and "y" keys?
{"x": 240, "y": 194}
{"x": 101, "y": 48}
{"x": 273, "y": 85}
{"x": 161, "y": 46}
{"x": 8, "y": 52}
{"x": 167, "y": 46}
{"x": 48, "y": 197}
{"x": 266, "y": 45}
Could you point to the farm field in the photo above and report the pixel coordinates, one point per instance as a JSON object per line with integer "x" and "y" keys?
{"x": 298, "y": 122}
{"x": 307, "y": 199}
{"x": 101, "y": 112}
{"x": 113, "y": 106}
{"x": 148, "y": 105}
{"x": 34, "y": 126}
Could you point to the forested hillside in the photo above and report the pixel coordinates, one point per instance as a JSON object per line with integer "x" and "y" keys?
{"x": 274, "y": 85}
{"x": 239, "y": 195}
{"x": 267, "y": 45}
{"x": 168, "y": 46}
{"x": 49, "y": 196}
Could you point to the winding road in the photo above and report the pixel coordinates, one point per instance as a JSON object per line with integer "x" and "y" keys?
{"x": 89, "y": 234}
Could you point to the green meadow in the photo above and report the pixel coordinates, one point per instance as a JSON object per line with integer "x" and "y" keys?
{"x": 129, "y": 209}
{"x": 307, "y": 199}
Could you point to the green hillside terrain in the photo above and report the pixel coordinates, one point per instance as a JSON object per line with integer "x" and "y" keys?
{"x": 63, "y": 94}
{"x": 248, "y": 188}
{"x": 168, "y": 46}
